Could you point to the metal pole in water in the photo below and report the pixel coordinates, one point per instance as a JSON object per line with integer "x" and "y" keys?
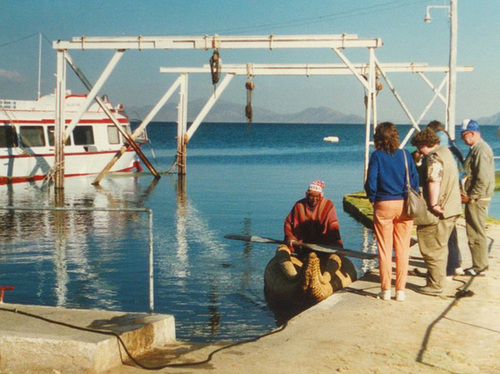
{"x": 39, "y": 63}
{"x": 182, "y": 126}
{"x": 60, "y": 120}
{"x": 452, "y": 84}
{"x": 151, "y": 264}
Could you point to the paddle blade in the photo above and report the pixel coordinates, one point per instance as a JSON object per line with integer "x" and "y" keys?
{"x": 339, "y": 251}
{"x": 252, "y": 238}
{"x": 311, "y": 247}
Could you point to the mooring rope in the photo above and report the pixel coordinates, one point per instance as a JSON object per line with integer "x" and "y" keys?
{"x": 122, "y": 343}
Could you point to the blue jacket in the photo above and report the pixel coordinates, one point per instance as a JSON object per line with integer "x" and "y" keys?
{"x": 386, "y": 179}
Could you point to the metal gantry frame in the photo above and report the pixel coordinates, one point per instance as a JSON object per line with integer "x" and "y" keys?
{"x": 361, "y": 71}
{"x": 141, "y": 43}
{"x": 367, "y": 74}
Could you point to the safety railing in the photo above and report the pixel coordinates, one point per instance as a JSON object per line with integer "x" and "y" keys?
{"x": 138, "y": 210}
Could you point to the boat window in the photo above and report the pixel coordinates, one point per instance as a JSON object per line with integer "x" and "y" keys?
{"x": 8, "y": 138}
{"x": 32, "y": 136}
{"x": 83, "y": 135}
{"x": 51, "y": 137}
{"x": 113, "y": 135}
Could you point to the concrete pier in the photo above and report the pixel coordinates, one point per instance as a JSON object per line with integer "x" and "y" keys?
{"x": 354, "y": 332}
{"x": 39, "y": 339}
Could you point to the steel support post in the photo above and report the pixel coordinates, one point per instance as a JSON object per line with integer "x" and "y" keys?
{"x": 60, "y": 120}
{"x": 182, "y": 126}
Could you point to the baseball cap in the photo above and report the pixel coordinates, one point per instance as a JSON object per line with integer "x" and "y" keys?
{"x": 469, "y": 125}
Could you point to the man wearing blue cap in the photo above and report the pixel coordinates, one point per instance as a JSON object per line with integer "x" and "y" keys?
{"x": 479, "y": 187}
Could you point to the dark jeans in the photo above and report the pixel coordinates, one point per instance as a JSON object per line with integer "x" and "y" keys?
{"x": 454, "y": 255}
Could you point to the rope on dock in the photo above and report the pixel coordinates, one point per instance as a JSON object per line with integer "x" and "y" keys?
{"x": 134, "y": 360}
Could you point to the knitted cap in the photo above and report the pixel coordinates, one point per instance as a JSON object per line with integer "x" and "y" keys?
{"x": 316, "y": 186}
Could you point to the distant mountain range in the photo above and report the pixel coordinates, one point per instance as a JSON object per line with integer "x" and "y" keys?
{"x": 224, "y": 111}
{"x": 493, "y": 120}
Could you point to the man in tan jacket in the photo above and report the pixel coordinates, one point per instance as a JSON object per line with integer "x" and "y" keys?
{"x": 440, "y": 184}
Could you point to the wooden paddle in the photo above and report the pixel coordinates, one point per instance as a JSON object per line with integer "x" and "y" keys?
{"x": 313, "y": 247}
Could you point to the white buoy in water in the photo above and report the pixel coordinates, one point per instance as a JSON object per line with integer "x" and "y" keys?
{"x": 331, "y": 139}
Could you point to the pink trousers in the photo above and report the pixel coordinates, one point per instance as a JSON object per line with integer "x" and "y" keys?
{"x": 393, "y": 230}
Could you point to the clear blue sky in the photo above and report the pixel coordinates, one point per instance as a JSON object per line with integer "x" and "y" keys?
{"x": 137, "y": 80}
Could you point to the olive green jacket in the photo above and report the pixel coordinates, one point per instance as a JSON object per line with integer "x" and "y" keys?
{"x": 479, "y": 167}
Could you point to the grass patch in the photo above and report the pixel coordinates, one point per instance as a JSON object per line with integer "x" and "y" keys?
{"x": 359, "y": 207}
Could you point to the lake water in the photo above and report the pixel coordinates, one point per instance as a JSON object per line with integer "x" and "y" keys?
{"x": 240, "y": 180}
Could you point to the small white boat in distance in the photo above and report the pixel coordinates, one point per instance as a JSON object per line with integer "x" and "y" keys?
{"x": 331, "y": 139}
{"x": 27, "y": 139}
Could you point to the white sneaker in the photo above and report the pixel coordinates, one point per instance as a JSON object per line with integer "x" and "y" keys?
{"x": 384, "y": 295}
{"x": 400, "y": 296}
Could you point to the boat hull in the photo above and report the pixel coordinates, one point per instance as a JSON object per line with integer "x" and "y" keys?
{"x": 289, "y": 280}
{"x": 28, "y": 133}
{"x": 36, "y": 167}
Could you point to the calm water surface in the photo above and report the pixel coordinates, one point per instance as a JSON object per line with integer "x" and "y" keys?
{"x": 240, "y": 179}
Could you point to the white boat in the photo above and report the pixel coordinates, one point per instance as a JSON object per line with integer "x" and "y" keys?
{"x": 331, "y": 139}
{"x": 27, "y": 139}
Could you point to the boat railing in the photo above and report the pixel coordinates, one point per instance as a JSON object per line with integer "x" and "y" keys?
{"x": 5, "y": 107}
{"x": 97, "y": 209}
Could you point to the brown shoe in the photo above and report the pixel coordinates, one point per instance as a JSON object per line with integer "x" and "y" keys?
{"x": 428, "y": 290}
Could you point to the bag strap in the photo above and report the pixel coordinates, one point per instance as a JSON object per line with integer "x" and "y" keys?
{"x": 406, "y": 170}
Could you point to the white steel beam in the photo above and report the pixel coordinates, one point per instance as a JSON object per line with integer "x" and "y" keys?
{"x": 60, "y": 120}
{"x": 437, "y": 93}
{"x": 396, "y": 95}
{"x": 369, "y": 104}
{"x": 182, "y": 125}
{"x": 210, "y": 103}
{"x": 93, "y": 91}
{"x": 139, "y": 129}
{"x": 452, "y": 81}
{"x": 433, "y": 88}
{"x": 314, "y": 69}
{"x": 220, "y": 42}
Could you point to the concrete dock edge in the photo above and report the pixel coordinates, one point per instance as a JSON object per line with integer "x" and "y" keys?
{"x": 31, "y": 342}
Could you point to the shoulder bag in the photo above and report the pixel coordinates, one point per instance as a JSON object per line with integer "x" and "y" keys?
{"x": 415, "y": 204}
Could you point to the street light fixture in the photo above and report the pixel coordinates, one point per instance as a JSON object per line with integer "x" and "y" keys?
{"x": 452, "y": 74}
{"x": 427, "y": 18}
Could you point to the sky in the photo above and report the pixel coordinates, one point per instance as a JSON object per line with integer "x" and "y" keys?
{"x": 137, "y": 80}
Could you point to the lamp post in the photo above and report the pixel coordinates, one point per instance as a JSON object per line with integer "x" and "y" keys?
{"x": 428, "y": 18}
{"x": 452, "y": 74}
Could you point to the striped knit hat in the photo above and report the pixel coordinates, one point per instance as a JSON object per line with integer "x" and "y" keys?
{"x": 316, "y": 186}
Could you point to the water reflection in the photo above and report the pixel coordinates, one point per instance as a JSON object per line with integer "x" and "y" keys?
{"x": 181, "y": 270}
{"x": 99, "y": 259}
{"x": 69, "y": 258}
{"x": 215, "y": 316}
{"x": 60, "y": 260}
{"x": 198, "y": 248}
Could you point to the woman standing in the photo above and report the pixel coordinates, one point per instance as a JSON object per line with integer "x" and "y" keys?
{"x": 386, "y": 189}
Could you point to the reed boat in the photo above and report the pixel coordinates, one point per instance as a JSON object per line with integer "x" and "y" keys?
{"x": 305, "y": 282}
{"x": 27, "y": 139}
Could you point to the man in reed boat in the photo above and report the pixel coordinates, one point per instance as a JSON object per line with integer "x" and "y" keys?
{"x": 301, "y": 276}
{"x": 312, "y": 220}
